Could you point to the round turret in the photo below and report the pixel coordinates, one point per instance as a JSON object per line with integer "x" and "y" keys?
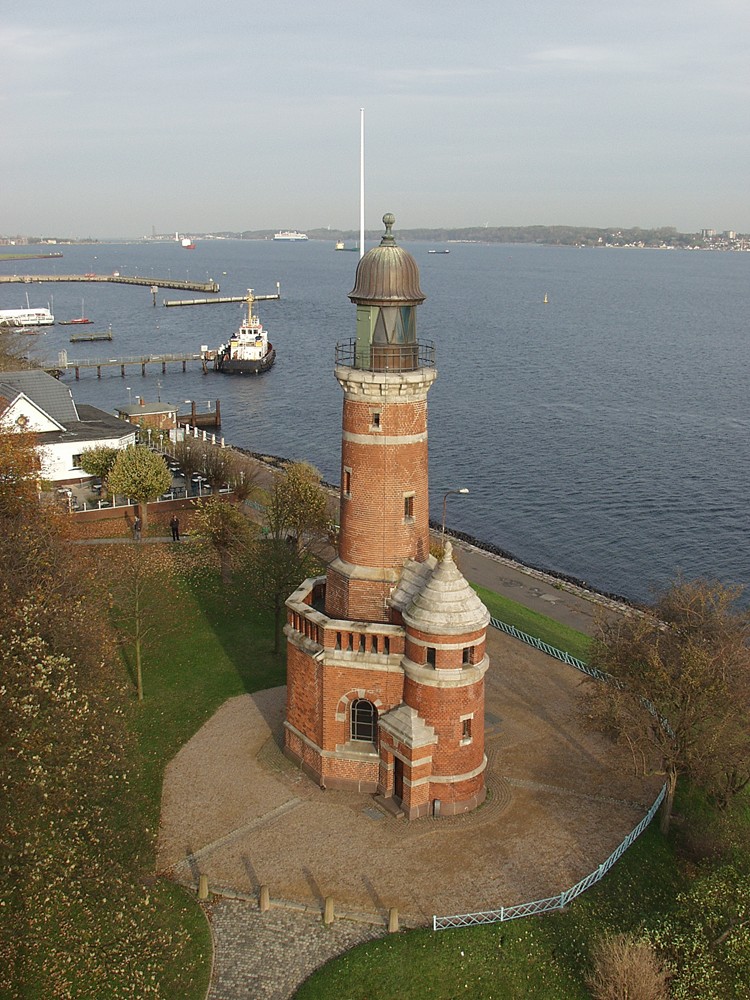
{"x": 447, "y": 605}
{"x": 387, "y": 275}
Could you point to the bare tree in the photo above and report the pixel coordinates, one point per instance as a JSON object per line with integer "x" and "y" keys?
{"x": 295, "y": 524}
{"x": 244, "y": 474}
{"x": 227, "y": 529}
{"x": 139, "y": 581}
{"x": 680, "y": 691}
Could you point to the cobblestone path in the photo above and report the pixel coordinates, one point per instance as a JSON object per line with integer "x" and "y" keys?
{"x": 266, "y": 956}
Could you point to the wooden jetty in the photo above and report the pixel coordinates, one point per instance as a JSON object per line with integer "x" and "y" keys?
{"x": 118, "y": 279}
{"x": 201, "y": 419}
{"x": 79, "y": 338}
{"x": 64, "y": 364}
{"x": 225, "y": 298}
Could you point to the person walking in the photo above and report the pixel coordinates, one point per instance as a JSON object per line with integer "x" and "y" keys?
{"x": 174, "y": 524}
{"x": 136, "y": 529}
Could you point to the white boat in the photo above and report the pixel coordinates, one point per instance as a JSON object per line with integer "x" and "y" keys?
{"x": 289, "y": 235}
{"x": 26, "y": 317}
{"x": 187, "y": 244}
{"x": 249, "y": 352}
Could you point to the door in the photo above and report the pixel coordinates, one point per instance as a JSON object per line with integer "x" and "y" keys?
{"x": 398, "y": 778}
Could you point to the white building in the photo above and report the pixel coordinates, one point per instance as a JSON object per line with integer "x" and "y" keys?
{"x": 34, "y": 401}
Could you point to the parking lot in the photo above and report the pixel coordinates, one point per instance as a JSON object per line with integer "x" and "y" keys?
{"x": 91, "y": 495}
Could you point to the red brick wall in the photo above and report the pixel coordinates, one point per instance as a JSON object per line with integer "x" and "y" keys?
{"x": 304, "y": 693}
{"x": 117, "y": 522}
{"x": 442, "y": 708}
{"x": 374, "y": 531}
{"x": 357, "y": 600}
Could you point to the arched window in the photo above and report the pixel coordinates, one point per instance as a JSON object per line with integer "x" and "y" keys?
{"x": 364, "y": 719}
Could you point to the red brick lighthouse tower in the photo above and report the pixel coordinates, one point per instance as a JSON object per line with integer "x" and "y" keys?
{"x": 386, "y": 654}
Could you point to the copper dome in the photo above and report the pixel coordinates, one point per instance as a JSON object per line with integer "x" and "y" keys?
{"x": 387, "y": 274}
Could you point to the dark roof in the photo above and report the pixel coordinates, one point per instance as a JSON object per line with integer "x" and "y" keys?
{"x": 94, "y": 425}
{"x": 48, "y": 393}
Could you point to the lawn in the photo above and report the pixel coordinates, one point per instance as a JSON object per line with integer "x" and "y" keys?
{"x": 214, "y": 644}
{"x": 532, "y": 623}
{"x": 210, "y": 644}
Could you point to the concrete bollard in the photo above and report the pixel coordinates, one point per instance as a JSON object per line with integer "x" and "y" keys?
{"x": 328, "y": 914}
{"x": 264, "y": 901}
{"x": 203, "y": 887}
{"x": 393, "y": 920}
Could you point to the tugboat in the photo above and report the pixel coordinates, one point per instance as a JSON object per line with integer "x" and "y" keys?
{"x": 249, "y": 352}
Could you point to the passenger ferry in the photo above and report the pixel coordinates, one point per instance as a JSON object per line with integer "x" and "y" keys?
{"x": 290, "y": 235}
{"x": 26, "y": 317}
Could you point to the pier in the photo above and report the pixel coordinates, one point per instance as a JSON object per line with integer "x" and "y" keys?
{"x": 225, "y": 298}
{"x": 63, "y": 364}
{"x": 117, "y": 279}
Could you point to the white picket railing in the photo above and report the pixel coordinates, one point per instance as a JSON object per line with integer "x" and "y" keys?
{"x": 551, "y": 903}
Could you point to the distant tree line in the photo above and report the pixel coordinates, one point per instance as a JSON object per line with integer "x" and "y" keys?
{"x": 547, "y": 235}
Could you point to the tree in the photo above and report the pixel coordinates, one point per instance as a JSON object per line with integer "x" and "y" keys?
{"x": 296, "y": 523}
{"x": 19, "y": 471}
{"x": 75, "y": 838}
{"x": 296, "y": 507}
{"x": 243, "y": 476}
{"x": 189, "y": 453}
{"x": 227, "y": 529}
{"x": 98, "y": 461}
{"x": 217, "y": 462}
{"x": 139, "y": 581}
{"x": 679, "y": 690}
{"x": 140, "y": 474}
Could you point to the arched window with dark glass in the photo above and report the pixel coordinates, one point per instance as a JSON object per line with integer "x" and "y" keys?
{"x": 364, "y": 720}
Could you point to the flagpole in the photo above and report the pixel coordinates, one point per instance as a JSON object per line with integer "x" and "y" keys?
{"x": 361, "y": 182}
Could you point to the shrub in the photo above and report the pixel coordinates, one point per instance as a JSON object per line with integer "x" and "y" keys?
{"x": 627, "y": 969}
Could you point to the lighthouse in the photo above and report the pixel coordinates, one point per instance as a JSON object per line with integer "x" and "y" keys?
{"x": 386, "y": 653}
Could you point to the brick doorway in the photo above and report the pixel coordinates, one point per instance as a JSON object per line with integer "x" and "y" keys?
{"x": 398, "y": 779}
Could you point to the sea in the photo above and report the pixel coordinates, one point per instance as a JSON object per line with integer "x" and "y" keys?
{"x": 594, "y": 401}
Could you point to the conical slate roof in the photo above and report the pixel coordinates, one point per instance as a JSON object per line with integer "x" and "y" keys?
{"x": 447, "y": 604}
{"x": 387, "y": 275}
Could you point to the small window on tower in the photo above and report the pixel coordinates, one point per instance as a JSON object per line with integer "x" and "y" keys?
{"x": 408, "y": 506}
{"x": 430, "y": 656}
{"x": 346, "y": 482}
{"x": 375, "y": 420}
{"x": 468, "y": 654}
{"x": 466, "y": 730}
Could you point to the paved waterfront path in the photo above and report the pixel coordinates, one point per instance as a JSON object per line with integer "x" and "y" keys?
{"x": 266, "y": 956}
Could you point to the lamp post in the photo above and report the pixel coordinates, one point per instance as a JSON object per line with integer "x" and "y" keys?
{"x": 445, "y": 505}
{"x": 130, "y": 395}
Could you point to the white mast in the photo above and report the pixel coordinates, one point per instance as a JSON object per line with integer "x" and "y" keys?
{"x": 361, "y": 183}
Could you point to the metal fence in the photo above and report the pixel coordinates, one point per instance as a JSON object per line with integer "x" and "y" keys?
{"x": 551, "y": 902}
{"x": 558, "y": 902}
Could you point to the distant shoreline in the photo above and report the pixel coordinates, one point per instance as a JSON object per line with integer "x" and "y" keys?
{"x": 657, "y": 237}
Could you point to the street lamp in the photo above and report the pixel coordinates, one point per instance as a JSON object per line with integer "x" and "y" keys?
{"x": 445, "y": 504}
{"x": 130, "y": 395}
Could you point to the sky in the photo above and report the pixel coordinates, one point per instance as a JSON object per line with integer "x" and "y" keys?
{"x": 123, "y": 119}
